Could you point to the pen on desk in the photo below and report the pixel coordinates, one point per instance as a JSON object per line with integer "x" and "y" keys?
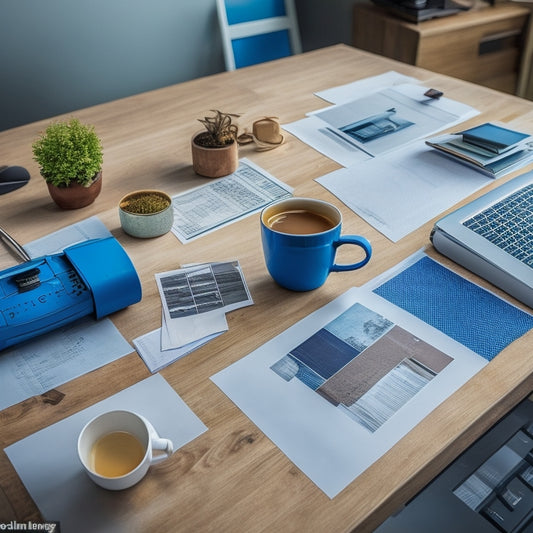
{"x": 14, "y": 245}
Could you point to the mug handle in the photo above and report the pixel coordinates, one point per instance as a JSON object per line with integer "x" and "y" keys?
{"x": 165, "y": 445}
{"x": 358, "y": 241}
{"x": 161, "y": 444}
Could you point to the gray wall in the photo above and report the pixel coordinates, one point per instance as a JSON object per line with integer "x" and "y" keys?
{"x": 325, "y": 22}
{"x": 57, "y": 56}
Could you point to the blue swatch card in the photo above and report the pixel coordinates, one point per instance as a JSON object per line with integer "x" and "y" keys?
{"x": 462, "y": 310}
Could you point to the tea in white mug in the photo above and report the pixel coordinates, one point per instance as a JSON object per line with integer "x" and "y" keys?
{"x": 116, "y": 448}
{"x": 116, "y": 454}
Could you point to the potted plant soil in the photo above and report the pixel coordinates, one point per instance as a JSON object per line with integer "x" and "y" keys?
{"x": 146, "y": 213}
{"x": 70, "y": 157}
{"x": 215, "y": 150}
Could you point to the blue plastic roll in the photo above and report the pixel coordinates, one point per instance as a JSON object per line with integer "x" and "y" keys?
{"x": 108, "y": 272}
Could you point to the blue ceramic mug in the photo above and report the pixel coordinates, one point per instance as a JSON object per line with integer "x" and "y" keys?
{"x": 300, "y": 237}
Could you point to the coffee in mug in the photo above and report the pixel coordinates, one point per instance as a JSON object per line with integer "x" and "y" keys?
{"x": 300, "y": 237}
{"x": 300, "y": 222}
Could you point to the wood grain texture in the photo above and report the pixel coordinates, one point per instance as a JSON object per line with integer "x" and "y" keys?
{"x": 233, "y": 478}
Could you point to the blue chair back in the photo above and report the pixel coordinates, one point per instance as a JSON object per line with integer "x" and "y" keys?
{"x": 255, "y": 31}
{"x": 247, "y": 10}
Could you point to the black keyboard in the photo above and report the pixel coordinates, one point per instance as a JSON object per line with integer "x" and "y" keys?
{"x": 501, "y": 489}
{"x": 489, "y": 488}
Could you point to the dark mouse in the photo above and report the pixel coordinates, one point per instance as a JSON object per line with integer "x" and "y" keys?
{"x": 12, "y": 178}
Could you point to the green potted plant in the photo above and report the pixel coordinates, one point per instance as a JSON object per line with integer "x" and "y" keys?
{"x": 215, "y": 149}
{"x": 70, "y": 157}
{"x": 146, "y": 213}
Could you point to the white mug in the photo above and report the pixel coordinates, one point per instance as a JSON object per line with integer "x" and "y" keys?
{"x": 124, "y": 421}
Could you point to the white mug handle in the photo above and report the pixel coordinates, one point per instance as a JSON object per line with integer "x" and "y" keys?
{"x": 165, "y": 445}
{"x": 161, "y": 444}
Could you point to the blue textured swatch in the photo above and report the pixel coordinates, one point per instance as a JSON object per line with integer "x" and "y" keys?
{"x": 462, "y": 310}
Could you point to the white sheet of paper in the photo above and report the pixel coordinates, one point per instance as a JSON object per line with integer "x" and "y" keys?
{"x": 398, "y": 192}
{"x": 331, "y": 448}
{"x": 52, "y": 359}
{"x": 149, "y": 348}
{"x": 48, "y": 463}
{"x": 356, "y": 89}
{"x": 84, "y": 230}
{"x": 182, "y": 332}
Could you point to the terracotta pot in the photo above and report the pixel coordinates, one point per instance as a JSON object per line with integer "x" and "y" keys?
{"x": 75, "y": 195}
{"x": 214, "y": 162}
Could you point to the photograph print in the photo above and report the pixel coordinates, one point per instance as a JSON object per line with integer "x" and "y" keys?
{"x": 363, "y": 364}
{"x": 383, "y": 121}
{"x": 203, "y": 288}
{"x": 376, "y": 126}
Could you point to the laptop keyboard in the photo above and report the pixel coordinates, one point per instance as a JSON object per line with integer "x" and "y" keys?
{"x": 508, "y": 224}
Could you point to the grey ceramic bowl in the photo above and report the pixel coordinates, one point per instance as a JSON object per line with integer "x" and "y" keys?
{"x": 145, "y": 225}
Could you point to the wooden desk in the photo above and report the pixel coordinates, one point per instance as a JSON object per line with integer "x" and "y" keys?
{"x": 233, "y": 478}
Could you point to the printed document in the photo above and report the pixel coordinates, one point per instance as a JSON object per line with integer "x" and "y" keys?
{"x": 399, "y": 192}
{"x": 196, "y": 299}
{"x": 377, "y": 123}
{"x": 225, "y": 200}
{"x": 39, "y": 365}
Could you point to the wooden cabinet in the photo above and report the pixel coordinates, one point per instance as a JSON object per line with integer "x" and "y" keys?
{"x": 483, "y": 45}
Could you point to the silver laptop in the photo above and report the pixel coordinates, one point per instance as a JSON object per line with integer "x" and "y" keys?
{"x": 493, "y": 237}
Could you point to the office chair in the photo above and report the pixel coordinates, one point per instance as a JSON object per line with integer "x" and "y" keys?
{"x": 255, "y": 31}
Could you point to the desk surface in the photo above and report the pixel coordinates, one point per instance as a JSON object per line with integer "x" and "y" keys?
{"x": 233, "y": 478}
